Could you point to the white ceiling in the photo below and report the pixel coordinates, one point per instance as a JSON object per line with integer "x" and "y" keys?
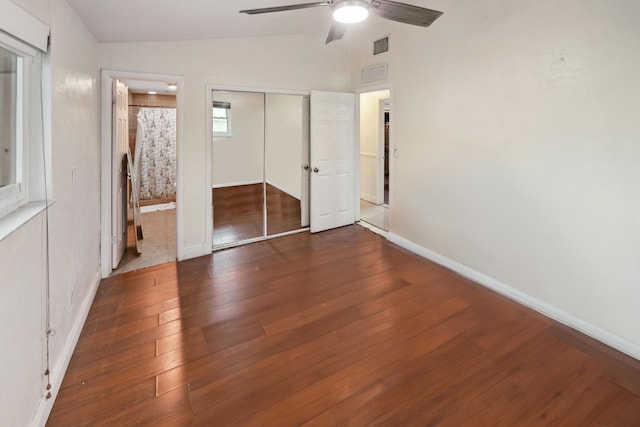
{"x": 144, "y": 86}
{"x": 166, "y": 20}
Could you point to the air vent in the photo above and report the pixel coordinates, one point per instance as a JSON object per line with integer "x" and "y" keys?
{"x": 381, "y": 46}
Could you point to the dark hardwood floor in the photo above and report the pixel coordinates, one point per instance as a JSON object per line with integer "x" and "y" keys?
{"x": 238, "y": 212}
{"x": 332, "y": 329}
{"x": 283, "y": 211}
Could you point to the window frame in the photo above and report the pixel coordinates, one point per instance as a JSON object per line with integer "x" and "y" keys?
{"x": 226, "y": 106}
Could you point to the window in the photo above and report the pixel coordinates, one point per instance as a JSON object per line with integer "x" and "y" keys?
{"x": 221, "y": 118}
{"x": 25, "y": 150}
{"x": 9, "y": 117}
{"x": 15, "y": 61}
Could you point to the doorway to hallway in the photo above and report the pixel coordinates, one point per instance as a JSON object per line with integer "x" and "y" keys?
{"x": 141, "y": 168}
{"x": 151, "y": 194}
{"x": 375, "y": 170}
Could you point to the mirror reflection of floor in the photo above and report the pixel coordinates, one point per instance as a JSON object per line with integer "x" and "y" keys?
{"x": 159, "y": 243}
{"x": 376, "y": 215}
{"x": 283, "y": 211}
{"x": 238, "y": 213}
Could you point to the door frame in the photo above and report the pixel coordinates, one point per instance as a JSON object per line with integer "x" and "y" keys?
{"x": 107, "y": 77}
{"x": 119, "y": 93}
{"x": 358, "y": 92}
{"x": 381, "y": 114}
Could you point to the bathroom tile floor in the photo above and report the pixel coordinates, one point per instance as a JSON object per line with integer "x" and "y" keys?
{"x": 158, "y": 245}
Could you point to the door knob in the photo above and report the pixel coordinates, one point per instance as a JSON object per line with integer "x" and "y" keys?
{"x": 306, "y": 167}
{"x": 316, "y": 170}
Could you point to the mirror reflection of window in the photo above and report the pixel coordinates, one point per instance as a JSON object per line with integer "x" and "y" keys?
{"x": 221, "y": 118}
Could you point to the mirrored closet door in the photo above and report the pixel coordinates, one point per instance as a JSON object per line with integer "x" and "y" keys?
{"x": 260, "y": 166}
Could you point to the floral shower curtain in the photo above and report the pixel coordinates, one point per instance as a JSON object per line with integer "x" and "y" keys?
{"x": 155, "y": 156}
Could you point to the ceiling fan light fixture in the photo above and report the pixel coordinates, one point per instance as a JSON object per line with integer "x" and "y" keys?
{"x": 350, "y": 11}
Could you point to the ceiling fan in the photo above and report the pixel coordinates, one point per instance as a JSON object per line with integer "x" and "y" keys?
{"x": 351, "y": 11}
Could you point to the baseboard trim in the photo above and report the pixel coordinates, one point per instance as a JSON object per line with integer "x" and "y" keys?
{"x": 295, "y": 196}
{"x": 235, "y": 184}
{"x": 197, "y": 251}
{"x": 525, "y": 299}
{"x": 373, "y": 229}
{"x": 368, "y": 198}
{"x": 59, "y": 370}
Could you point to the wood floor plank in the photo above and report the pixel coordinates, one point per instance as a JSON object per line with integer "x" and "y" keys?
{"x": 324, "y": 394}
{"x": 75, "y": 406}
{"x": 388, "y": 391}
{"x": 448, "y": 362}
{"x": 291, "y": 380}
{"x": 565, "y": 404}
{"x": 284, "y": 349}
{"x": 339, "y": 328}
{"x": 171, "y": 406}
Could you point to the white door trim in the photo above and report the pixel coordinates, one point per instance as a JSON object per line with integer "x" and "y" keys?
{"x": 107, "y": 77}
{"x": 358, "y": 91}
{"x": 120, "y": 133}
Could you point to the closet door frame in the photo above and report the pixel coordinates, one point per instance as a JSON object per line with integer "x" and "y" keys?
{"x": 210, "y": 88}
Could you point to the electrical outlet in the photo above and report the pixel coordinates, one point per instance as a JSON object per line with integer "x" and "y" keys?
{"x": 74, "y": 175}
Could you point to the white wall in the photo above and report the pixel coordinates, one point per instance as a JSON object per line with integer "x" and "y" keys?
{"x": 22, "y": 316}
{"x": 370, "y": 155}
{"x": 75, "y": 217}
{"x": 41, "y": 9}
{"x": 74, "y": 229}
{"x": 283, "y": 142}
{"x": 517, "y": 129}
{"x": 239, "y": 159}
{"x": 288, "y": 62}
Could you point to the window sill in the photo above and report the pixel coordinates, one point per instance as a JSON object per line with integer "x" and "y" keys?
{"x": 21, "y": 216}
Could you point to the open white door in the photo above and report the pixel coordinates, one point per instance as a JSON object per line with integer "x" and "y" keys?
{"x": 332, "y": 160}
{"x": 120, "y": 135}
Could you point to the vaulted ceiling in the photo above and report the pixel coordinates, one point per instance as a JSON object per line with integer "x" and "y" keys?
{"x": 166, "y": 20}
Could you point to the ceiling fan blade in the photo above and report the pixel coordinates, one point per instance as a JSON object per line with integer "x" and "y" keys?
{"x": 405, "y": 13}
{"x": 336, "y": 32}
{"x": 285, "y": 8}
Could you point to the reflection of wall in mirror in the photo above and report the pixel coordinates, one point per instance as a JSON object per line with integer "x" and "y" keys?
{"x": 283, "y": 142}
{"x": 239, "y": 159}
